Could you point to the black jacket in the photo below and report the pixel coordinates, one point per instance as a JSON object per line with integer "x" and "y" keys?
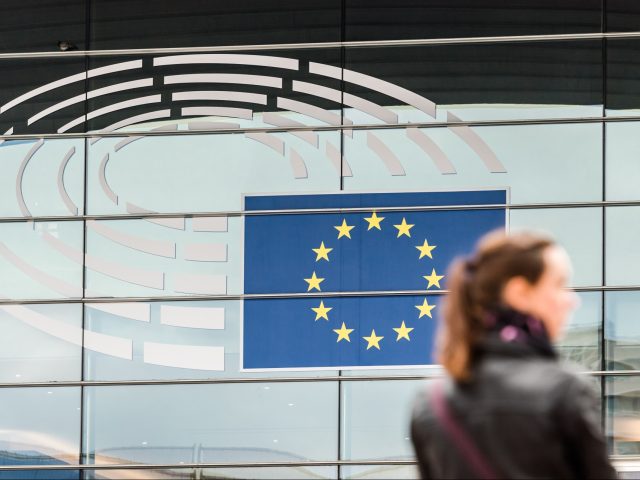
{"x": 528, "y": 417}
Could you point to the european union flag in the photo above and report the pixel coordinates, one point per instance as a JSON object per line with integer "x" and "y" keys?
{"x": 347, "y": 256}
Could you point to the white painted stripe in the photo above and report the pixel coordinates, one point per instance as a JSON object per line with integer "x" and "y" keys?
{"x": 205, "y": 252}
{"x": 477, "y": 144}
{"x": 210, "y": 318}
{"x": 130, "y": 310}
{"x": 108, "y": 344}
{"x": 270, "y": 141}
{"x": 95, "y": 72}
{"x": 227, "y": 96}
{"x": 211, "y": 125}
{"x": 311, "y": 111}
{"x": 210, "y": 224}
{"x": 177, "y": 223}
{"x": 137, "y": 119}
{"x": 56, "y": 328}
{"x": 229, "y": 58}
{"x": 161, "y": 248}
{"x": 147, "y": 82}
{"x": 297, "y": 164}
{"x": 280, "y": 121}
{"x": 111, "y": 108}
{"x": 376, "y": 84}
{"x": 339, "y": 163}
{"x": 235, "y": 78}
{"x": 200, "y": 284}
{"x": 8, "y": 132}
{"x": 339, "y": 97}
{"x": 184, "y": 356}
{"x": 432, "y": 149}
{"x": 243, "y": 113}
{"x": 73, "y": 209}
{"x": 386, "y": 155}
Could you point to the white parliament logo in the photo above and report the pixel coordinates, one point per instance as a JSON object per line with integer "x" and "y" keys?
{"x": 200, "y": 255}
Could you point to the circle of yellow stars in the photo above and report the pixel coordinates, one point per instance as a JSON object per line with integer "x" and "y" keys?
{"x": 374, "y": 222}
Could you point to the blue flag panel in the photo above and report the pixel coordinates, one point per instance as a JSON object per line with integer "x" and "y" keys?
{"x": 353, "y": 252}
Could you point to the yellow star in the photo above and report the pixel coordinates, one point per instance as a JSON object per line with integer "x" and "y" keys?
{"x": 425, "y": 249}
{"x": 425, "y": 309}
{"x": 343, "y": 333}
{"x": 433, "y": 279}
{"x": 323, "y": 252}
{"x": 314, "y": 282}
{"x": 403, "y": 228}
{"x": 403, "y": 332}
{"x": 374, "y": 221}
{"x": 344, "y": 229}
{"x": 373, "y": 340}
{"x": 321, "y": 311}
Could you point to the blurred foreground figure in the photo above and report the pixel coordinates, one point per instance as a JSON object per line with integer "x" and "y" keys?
{"x": 508, "y": 409}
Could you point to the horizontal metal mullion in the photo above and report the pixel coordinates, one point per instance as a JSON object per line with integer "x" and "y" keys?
{"x": 275, "y": 296}
{"x": 251, "y": 213}
{"x": 324, "y": 45}
{"x": 435, "y": 371}
{"x": 330, "y": 128}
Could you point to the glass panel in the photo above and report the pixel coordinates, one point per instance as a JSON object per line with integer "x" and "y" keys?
{"x": 578, "y": 230}
{"x": 41, "y": 259}
{"x": 623, "y": 168}
{"x": 41, "y": 177}
{"x": 473, "y": 82}
{"x": 266, "y": 473}
{"x": 621, "y": 330}
{"x": 623, "y": 414}
{"x": 40, "y": 95}
{"x": 192, "y": 23}
{"x": 408, "y": 19}
{"x": 622, "y": 15}
{"x": 34, "y": 25}
{"x": 40, "y": 343}
{"x": 622, "y": 248}
{"x": 622, "y": 73}
{"x": 390, "y": 472}
{"x": 212, "y": 423}
{"x": 566, "y": 159}
{"x": 40, "y": 426}
{"x": 376, "y": 419}
{"x": 581, "y": 342}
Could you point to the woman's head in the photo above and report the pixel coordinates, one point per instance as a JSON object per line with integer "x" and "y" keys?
{"x": 524, "y": 271}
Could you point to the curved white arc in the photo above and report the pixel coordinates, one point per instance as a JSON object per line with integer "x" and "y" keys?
{"x": 108, "y": 344}
{"x": 123, "y": 143}
{"x": 50, "y": 326}
{"x": 476, "y": 143}
{"x": 311, "y": 111}
{"x": 211, "y": 125}
{"x": 270, "y": 141}
{"x": 243, "y": 113}
{"x": 432, "y": 149}
{"x": 184, "y": 356}
{"x": 144, "y": 117}
{"x": 177, "y": 223}
{"x": 297, "y": 164}
{"x": 95, "y": 72}
{"x": 202, "y": 284}
{"x": 235, "y": 78}
{"x": 8, "y": 132}
{"x": 387, "y": 88}
{"x": 366, "y": 106}
{"x": 228, "y": 58}
{"x": 19, "y": 196}
{"x": 339, "y": 163}
{"x": 111, "y": 108}
{"x": 119, "y": 87}
{"x": 71, "y": 207}
{"x": 227, "y": 96}
{"x": 208, "y": 318}
{"x": 136, "y": 276}
{"x": 133, "y": 311}
{"x": 103, "y": 180}
{"x": 279, "y": 121}
{"x": 386, "y": 155}
{"x": 161, "y": 248}
{"x": 205, "y": 252}
{"x": 209, "y": 224}
{"x": 57, "y": 285}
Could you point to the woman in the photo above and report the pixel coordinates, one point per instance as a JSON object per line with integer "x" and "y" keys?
{"x": 508, "y": 409}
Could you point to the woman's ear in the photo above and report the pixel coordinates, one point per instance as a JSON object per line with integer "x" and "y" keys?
{"x": 515, "y": 294}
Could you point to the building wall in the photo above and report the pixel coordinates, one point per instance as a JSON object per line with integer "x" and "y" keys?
{"x": 123, "y": 173}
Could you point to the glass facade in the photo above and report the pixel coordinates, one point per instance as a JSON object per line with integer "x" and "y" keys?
{"x": 127, "y": 157}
